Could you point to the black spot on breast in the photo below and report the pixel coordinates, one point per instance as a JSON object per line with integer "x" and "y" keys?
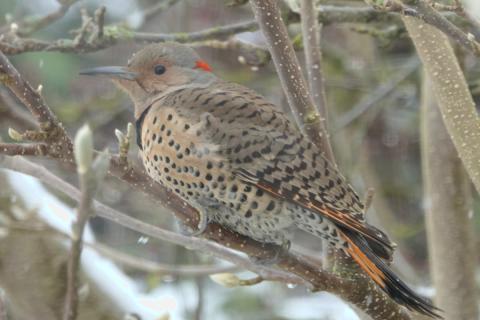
{"x": 271, "y": 205}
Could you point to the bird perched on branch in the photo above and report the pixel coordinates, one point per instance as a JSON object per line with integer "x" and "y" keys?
{"x": 238, "y": 159}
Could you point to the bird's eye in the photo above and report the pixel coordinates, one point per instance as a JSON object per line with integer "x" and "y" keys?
{"x": 160, "y": 69}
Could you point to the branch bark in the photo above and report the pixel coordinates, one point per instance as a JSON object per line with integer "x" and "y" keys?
{"x": 448, "y": 205}
{"x": 451, "y": 90}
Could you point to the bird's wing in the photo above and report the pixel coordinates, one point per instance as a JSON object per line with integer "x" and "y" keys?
{"x": 265, "y": 149}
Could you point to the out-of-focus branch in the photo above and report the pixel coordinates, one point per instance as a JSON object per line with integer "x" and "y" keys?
{"x": 151, "y": 267}
{"x": 294, "y": 86}
{"x": 157, "y": 8}
{"x": 451, "y": 90}
{"x": 450, "y": 232}
{"x": 11, "y": 109}
{"x": 377, "y": 95}
{"x": 29, "y": 26}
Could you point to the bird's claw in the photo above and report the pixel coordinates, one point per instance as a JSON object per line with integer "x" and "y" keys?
{"x": 201, "y": 227}
{"x": 202, "y": 224}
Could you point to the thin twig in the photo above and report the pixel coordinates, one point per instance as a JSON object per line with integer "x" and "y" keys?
{"x": 311, "y": 32}
{"x": 114, "y": 34}
{"x": 160, "y": 268}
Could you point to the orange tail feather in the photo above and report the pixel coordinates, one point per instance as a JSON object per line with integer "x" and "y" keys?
{"x": 384, "y": 277}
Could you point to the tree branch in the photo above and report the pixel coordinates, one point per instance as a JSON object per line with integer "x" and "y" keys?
{"x": 293, "y": 83}
{"x": 311, "y": 32}
{"x": 451, "y": 90}
{"x": 160, "y": 268}
{"x": 447, "y": 191}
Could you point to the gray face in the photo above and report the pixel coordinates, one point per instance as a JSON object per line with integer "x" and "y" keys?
{"x": 174, "y": 53}
{"x": 156, "y": 69}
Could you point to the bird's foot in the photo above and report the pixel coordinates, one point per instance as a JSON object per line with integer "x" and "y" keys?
{"x": 201, "y": 227}
{"x": 279, "y": 251}
{"x": 202, "y": 224}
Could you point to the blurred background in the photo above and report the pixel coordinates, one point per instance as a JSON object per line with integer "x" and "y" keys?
{"x": 373, "y": 79}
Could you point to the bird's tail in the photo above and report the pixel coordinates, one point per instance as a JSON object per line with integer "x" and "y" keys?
{"x": 381, "y": 273}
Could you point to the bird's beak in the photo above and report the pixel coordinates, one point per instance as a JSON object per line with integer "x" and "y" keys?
{"x": 111, "y": 72}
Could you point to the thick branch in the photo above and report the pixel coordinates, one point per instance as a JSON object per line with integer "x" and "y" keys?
{"x": 450, "y": 232}
{"x": 451, "y": 90}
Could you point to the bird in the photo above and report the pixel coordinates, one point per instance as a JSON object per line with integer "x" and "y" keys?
{"x": 241, "y": 162}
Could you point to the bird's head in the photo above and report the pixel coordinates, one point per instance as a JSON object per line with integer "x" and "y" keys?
{"x": 155, "y": 69}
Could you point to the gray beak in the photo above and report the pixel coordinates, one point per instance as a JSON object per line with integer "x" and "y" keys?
{"x": 111, "y": 72}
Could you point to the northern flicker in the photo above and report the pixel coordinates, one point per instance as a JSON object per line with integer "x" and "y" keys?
{"x": 242, "y": 163}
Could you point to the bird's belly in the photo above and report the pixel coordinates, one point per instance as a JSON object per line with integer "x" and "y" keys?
{"x": 205, "y": 182}
{"x": 175, "y": 155}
